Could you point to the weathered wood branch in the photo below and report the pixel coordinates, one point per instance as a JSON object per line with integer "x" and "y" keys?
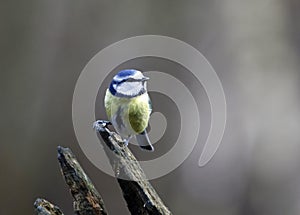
{"x": 87, "y": 200}
{"x": 43, "y": 207}
{"x": 140, "y": 196}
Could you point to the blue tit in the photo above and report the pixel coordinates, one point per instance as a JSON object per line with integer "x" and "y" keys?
{"x": 128, "y": 106}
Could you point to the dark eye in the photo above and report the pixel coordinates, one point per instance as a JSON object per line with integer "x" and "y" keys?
{"x": 130, "y": 79}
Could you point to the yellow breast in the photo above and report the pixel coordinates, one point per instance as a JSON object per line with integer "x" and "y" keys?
{"x": 128, "y": 115}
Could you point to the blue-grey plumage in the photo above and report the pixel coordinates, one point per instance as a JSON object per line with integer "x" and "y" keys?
{"x": 127, "y": 105}
{"x": 144, "y": 141}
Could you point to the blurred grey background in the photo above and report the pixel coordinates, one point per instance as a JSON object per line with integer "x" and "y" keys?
{"x": 254, "y": 46}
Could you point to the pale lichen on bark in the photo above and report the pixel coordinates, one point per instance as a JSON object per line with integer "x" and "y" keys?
{"x": 87, "y": 200}
{"x": 43, "y": 207}
{"x": 138, "y": 193}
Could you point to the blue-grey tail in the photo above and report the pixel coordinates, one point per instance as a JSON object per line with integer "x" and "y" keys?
{"x": 144, "y": 142}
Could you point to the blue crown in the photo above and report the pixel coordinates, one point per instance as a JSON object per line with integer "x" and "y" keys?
{"x": 121, "y": 77}
{"x": 126, "y": 73}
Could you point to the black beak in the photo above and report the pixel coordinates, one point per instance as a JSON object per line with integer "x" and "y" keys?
{"x": 145, "y": 78}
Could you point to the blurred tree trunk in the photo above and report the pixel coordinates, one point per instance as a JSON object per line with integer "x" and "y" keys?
{"x": 265, "y": 66}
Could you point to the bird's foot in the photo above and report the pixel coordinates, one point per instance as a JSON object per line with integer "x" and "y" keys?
{"x": 121, "y": 142}
{"x": 148, "y": 204}
{"x": 126, "y": 142}
{"x": 101, "y": 125}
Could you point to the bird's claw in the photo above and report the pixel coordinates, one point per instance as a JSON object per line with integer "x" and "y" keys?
{"x": 101, "y": 125}
{"x": 147, "y": 204}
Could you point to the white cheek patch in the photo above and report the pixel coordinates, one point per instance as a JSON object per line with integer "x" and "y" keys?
{"x": 138, "y": 75}
{"x": 130, "y": 88}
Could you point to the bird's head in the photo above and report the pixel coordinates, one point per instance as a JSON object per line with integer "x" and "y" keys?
{"x": 128, "y": 83}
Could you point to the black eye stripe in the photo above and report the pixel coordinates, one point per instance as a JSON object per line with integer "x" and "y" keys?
{"x": 124, "y": 80}
{"x": 118, "y": 82}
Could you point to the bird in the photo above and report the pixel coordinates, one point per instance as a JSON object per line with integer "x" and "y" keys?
{"x": 128, "y": 106}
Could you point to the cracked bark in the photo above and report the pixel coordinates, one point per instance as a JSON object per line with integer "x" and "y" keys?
{"x": 138, "y": 193}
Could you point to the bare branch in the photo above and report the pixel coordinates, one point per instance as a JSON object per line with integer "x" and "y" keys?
{"x": 87, "y": 200}
{"x": 140, "y": 196}
{"x": 43, "y": 207}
